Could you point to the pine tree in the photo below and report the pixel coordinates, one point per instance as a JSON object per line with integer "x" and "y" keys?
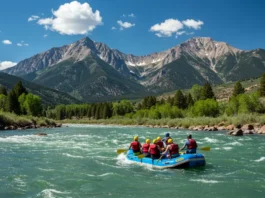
{"x": 190, "y": 101}
{"x": 19, "y": 89}
{"x": 12, "y": 102}
{"x": 180, "y": 100}
{"x": 262, "y": 85}
{"x": 238, "y": 89}
{"x": 207, "y": 92}
{"x": 3, "y": 90}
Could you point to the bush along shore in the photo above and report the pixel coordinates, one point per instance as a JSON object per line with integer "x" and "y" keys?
{"x": 237, "y": 125}
{"x": 11, "y": 121}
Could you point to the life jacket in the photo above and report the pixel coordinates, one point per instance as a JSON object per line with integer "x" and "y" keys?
{"x": 173, "y": 149}
{"x": 135, "y": 146}
{"x": 160, "y": 144}
{"x": 146, "y": 147}
{"x": 192, "y": 144}
{"x": 153, "y": 149}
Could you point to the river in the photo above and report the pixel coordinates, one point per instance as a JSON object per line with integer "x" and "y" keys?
{"x": 80, "y": 161}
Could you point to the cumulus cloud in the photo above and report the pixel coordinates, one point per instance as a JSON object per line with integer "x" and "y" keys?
{"x": 113, "y": 28}
{"x": 45, "y": 35}
{"x": 33, "y": 18}
{"x": 72, "y": 19}
{"x": 180, "y": 33}
{"x": 22, "y": 43}
{"x": 167, "y": 28}
{"x": 125, "y": 24}
{"x": 193, "y": 24}
{"x": 7, "y": 42}
{"x": 19, "y": 44}
{"x": 6, "y": 64}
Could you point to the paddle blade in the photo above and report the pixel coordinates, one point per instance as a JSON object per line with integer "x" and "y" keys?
{"x": 119, "y": 151}
{"x": 206, "y": 148}
{"x": 141, "y": 156}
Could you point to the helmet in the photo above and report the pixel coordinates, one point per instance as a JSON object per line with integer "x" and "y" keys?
{"x": 147, "y": 141}
{"x": 170, "y": 141}
{"x": 154, "y": 141}
{"x": 158, "y": 138}
{"x": 167, "y": 134}
{"x": 135, "y": 138}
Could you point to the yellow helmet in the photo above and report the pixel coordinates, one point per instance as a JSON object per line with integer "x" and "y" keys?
{"x": 147, "y": 141}
{"x": 170, "y": 141}
{"x": 158, "y": 138}
{"x": 135, "y": 138}
{"x": 154, "y": 141}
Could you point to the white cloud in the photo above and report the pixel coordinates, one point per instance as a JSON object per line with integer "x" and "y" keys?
{"x": 180, "y": 33}
{"x": 45, "y": 35}
{"x": 22, "y": 43}
{"x": 19, "y": 44}
{"x": 26, "y": 44}
{"x": 113, "y": 28}
{"x": 72, "y": 19}
{"x": 125, "y": 24}
{"x": 6, "y": 64}
{"x": 7, "y": 42}
{"x": 33, "y": 18}
{"x": 167, "y": 28}
{"x": 131, "y": 15}
{"x": 193, "y": 24}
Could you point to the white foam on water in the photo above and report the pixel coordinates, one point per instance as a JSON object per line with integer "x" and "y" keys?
{"x": 260, "y": 159}
{"x": 72, "y": 156}
{"x": 102, "y": 175}
{"x": 122, "y": 160}
{"x": 46, "y": 169}
{"x": 205, "y": 181}
{"x": 19, "y": 182}
{"x": 50, "y": 193}
{"x": 210, "y": 140}
{"x": 235, "y": 143}
{"x": 22, "y": 139}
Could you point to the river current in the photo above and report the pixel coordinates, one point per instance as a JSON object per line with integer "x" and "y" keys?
{"x": 80, "y": 161}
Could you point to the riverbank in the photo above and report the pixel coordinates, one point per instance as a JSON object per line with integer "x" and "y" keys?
{"x": 247, "y": 123}
{"x": 10, "y": 121}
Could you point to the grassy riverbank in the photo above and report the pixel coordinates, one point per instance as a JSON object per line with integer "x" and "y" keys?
{"x": 242, "y": 119}
{"x": 10, "y": 121}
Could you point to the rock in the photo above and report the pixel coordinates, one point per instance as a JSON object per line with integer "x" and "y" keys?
{"x": 248, "y": 132}
{"x": 41, "y": 134}
{"x": 237, "y": 132}
{"x": 247, "y": 127}
{"x": 198, "y": 128}
{"x": 230, "y": 127}
{"x": 262, "y": 130}
{"x": 58, "y": 124}
{"x": 221, "y": 128}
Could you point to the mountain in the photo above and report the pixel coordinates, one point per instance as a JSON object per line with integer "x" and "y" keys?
{"x": 47, "y": 95}
{"x": 91, "y": 71}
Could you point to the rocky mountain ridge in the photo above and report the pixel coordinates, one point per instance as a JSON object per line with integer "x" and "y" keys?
{"x": 197, "y": 60}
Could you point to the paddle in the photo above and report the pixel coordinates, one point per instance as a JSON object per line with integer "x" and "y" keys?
{"x": 159, "y": 159}
{"x": 119, "y": 151}
{"x": 141, "y": 156}
{"x": 206, "y": 148}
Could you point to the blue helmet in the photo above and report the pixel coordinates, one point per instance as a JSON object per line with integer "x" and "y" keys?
{"x": 167, "y": 134}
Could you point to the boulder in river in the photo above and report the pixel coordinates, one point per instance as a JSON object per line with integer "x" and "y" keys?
{"x": 236, "y": 132}
{"x": 262, "y": 130}
{"x": 41, "y": 134}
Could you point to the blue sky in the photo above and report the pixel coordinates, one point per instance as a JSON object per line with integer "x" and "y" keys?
{"x": 152, "y": 25}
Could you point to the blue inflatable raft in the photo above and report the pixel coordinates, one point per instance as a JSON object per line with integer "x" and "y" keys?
{"x": 183, "y": 161}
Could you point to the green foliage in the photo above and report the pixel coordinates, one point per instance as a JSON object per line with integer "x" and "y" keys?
{"x": 19, "y": 89}
{"x": 122, "y": 107}
{"x": 262, "y": 85}
{"x": 196, "y": 92}
{"x": 190, "y": 101}
{"x": 3, "y": 102}
{"x": 244, "y": 103}
{"x": 207, "y": 92}
{"x": 238, "y": 89}
{"x": 3, "y": 90}
{"x": 208, "y": 107}
{"x": 180, "y": 100}
{"x": 32, "y": 105}
{"x": 148, "y": 102}
{"x": 12, "y": 104}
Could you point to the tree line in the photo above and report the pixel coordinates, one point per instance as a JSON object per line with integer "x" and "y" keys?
{"x": 199, "y": 101}
{"x": 19, "y": 101}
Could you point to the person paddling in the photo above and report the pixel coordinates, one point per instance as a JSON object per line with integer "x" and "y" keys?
{"x": 145, "y": 148}
{"x": 172, "y": 149}
{"x": 166, "y": 138}
{"x": 154, "y": 150}
{"x": 160, "y": 143}
{"x": 190, "y": 144}
{"x": 136, "y": 146}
